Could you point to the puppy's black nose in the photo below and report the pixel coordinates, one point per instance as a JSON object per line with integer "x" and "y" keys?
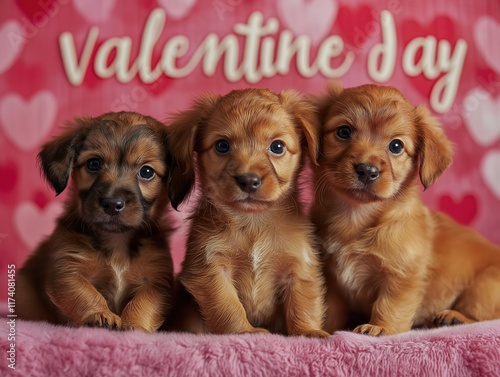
{"x": 367, "y": 173}
{"x": 113, "y": 206}
{"x": 249, "y": 182}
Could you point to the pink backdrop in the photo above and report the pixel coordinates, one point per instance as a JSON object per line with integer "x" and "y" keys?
{"x": 61, "y": 58}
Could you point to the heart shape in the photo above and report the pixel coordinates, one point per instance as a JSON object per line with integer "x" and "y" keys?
{"x": 27, "y": 123}
{"x": 442, "y": 28}
{"x": 313, "y": 18}
{"x": 96, "y": 12}
{"x": 177, "y": 9}
{"x": 357, "y": 25}
{"x": 490, "y": 170}
{"x": 33, "y": 9}
{"x": 33, "y": 224}
{"x": 9, "y": 174}
{"x": 41, "y": 199}
{"x": 480, "y": 112}
{"x": 486, "y": 32}
{"x": 11, "y": 43}
{"x": 463, "y": 211}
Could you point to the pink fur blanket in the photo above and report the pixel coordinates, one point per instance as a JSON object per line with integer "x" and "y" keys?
{"x": 41, "y": 349}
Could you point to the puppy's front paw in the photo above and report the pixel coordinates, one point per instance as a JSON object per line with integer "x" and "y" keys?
{"x": 450, "y": 318}
{"x": 106, "y": 320}
{"x": 372, "y": 330}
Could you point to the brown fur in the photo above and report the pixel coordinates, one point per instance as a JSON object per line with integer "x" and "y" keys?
{"x": 250, "y": 263}
{"x": 387, "y": 256}
{"x": 103, "y": 268}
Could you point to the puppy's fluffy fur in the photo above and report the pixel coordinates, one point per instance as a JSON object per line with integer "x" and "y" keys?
{"x": 387, "y": 256}
{"x": 250, "y": 263}
{"x": 107, "y": 263}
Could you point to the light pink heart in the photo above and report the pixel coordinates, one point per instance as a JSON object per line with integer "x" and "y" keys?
{"x": 11, "y": 44}
{"x": 96, "y": 11}
{"x": 27, "y": 123}
{"x": 480, "y": 113}
{"x": 177, "y": 9}
{"x": 313, "y": 18}
{"x": 486, "y": 33}
{"x": 34, "y": 224}
{"x": 490, "y": 170}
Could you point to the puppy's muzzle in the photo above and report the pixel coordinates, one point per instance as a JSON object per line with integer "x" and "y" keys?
{"x": 249, "y": 182}
{"x": 113, "y": 206}
{"x": 367, "y": 174}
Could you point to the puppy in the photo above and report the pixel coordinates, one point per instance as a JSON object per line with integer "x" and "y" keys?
{"x": 107, "y": 263}
{"x": 250, "y": 262}
{"x": 386, "y": 256}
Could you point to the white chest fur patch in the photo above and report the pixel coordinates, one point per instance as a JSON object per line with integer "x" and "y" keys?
{"x": 119, "y": 264}
{"x": 351, "y": 270}
{"x": 257, "y": 256}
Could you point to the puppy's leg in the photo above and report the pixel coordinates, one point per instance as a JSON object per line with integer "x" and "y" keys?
{"x": 336, "y": 309}
{"x": 81, "y": 303}
{"x": 186, "y": 316}
{"x": 479, "y": 302}
{"x": 394, "y": 310}
{"x": 30, "y": 303}
{"x": 451, "y": 317}
{"x": 304, "y": 303}
{"x": 219, "y": 303}
{"x": 146, "y": 310}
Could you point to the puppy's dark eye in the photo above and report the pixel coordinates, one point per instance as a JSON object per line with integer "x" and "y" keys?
{"x": 146, "y": 173}
{"x": 344, "y": 132}
{"x": 93, "y": 165}
{"x": 222, "y": 146}
{"x": 277, "y": 148}
{"x": 396, "y": 146}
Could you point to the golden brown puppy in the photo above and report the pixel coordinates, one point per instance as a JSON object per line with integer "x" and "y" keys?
{"x": 386, "y": 255}
{"x": 107, "y": 263}
{"x": 250, "y": 262}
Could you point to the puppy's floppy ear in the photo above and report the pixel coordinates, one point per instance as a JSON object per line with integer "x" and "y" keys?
{"x": 322, "y": 104}
{"x": 56, "y": 157}
{"x": 324, "y": 101}
{"x": 305, "y": 116}
{"x": 435, "y": 150}
{"x": 182, "y": 134}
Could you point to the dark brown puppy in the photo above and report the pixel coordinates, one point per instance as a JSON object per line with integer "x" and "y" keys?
{"x": 107, "y": 263}
{"x": 250, "y": 261}
{"x": 387, "y": 256}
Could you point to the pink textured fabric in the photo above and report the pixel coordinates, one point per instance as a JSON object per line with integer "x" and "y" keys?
{"x": 47, "y": 350}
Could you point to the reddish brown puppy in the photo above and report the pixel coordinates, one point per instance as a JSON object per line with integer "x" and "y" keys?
{"x": 387, "y": 256}
{"x": 250, "y": 262}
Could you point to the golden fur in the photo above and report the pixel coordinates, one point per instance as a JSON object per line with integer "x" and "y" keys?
{"x": 250, "y": 262}
{"x": 387, "y": 257}
{"x": 107, "y": 263}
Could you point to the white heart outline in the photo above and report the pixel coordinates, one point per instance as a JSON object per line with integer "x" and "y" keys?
{"x": 33, "y": 224}
{"x": 480, "y": 113}
{"x": 27, "y": 122}
{"x": 490, "y": 171}
{"x": 300, "y": 18}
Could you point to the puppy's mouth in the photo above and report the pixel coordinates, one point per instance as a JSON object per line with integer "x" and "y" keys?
{"x": 114, "y": 226}
{"x": 364, "y": 195}
{"x": 251, "y": 204}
